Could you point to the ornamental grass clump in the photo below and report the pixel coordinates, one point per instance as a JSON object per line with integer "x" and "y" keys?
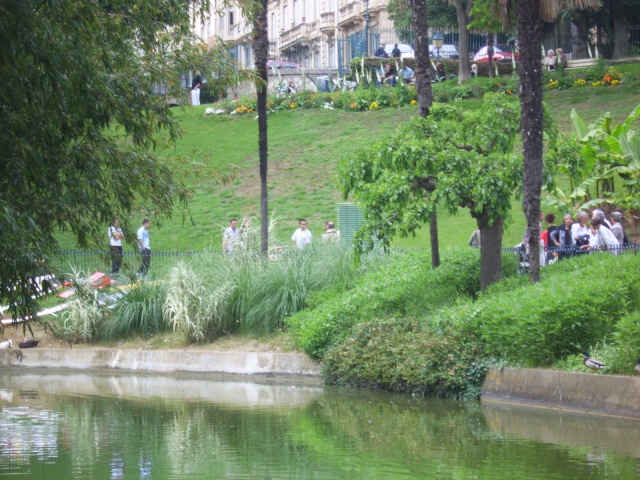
{"x": 139, "y": 312}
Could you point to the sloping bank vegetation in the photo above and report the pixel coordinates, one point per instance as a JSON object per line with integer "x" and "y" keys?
{"x": 431, "y": 332}
{"x": 389, "y": 322}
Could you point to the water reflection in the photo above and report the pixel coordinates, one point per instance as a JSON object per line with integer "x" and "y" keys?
{"x": 82, "y": 426}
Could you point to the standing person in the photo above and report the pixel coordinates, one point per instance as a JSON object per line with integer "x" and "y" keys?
{"x": 545, "y": 236}
{"x": 562, "y": 238}
{"x": 196, "y": 83}
{"x": 144, "y": 246}
{"x": 601, "y": 238}
{"x": 115, "y": 244}
{"x": 330, "y": 233}
{"x": 616, "y": 227}
{"x": 396, "y": 53}
{"x": 231, "y": 237}
{"x": 301, "y": 237}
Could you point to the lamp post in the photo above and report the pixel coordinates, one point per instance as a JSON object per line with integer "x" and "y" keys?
{"x": 366, "y": 27}
{"x": 438, "y": 40}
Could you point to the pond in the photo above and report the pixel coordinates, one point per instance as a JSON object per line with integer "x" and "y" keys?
{"x": 66, "y": 425}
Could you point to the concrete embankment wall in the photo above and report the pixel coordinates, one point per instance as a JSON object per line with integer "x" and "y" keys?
{"x": 168, "y": 361}
{"x": 585, "y": 392}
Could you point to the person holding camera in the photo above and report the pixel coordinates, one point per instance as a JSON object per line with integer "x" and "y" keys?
{"x": 115, "y": 244}
{"x": 601, "y": 238}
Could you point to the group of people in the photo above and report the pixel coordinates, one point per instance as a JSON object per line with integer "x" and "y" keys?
{"x": 582, "y": 236}
{"x": 233, "y": 236}
{"x": 390, "y": 76}
{"x": 585, "y": 234}
{"x": 381, "y": 51}
{"x": 116, "y": 235}
{"x": 553, "y": 59}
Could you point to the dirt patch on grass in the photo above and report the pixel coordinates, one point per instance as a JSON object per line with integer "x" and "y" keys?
{"x": 164, "y": 341}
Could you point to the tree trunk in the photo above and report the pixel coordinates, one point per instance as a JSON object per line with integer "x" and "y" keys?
{"x": 529, "y": 27}
{"x": 621, "y": 44}
{"x": 424, "y": 74}
{"x": 490, "y": 253}
{"x": 433, "y": 234}
{"x": 462, "y": 13}
{"x": 424, "y": 71}
{"x": 260, "y": 51}
{"x": 490, "y": 42}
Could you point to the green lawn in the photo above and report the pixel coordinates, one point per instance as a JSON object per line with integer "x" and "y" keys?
{"x": 304, "y": 149}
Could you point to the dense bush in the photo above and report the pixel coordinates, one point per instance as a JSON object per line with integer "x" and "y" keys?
{"x": 576, "y": 305}
{"x": 407, "y": 286}
{"x": 400, "y": 355}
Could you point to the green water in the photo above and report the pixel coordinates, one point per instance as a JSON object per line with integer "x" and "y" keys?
{"x": 63, "y": 425}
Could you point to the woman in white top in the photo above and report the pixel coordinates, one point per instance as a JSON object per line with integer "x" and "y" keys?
{"x": 115, "y": 243}
{"x": 601, "y": 238}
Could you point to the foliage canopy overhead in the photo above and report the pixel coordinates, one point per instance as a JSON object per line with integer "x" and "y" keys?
{"x": 80, "y": 121}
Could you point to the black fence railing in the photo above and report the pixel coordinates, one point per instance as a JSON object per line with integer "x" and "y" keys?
{"x": 87, "y": 262}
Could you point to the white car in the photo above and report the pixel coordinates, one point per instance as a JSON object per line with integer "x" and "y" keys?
{"x": 406, "y": 51}
{"x": 448, "y": 51}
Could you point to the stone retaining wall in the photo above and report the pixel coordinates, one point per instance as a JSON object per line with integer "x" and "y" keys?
{"x": 168, "y": 361}
{"x": 585, "y": 392}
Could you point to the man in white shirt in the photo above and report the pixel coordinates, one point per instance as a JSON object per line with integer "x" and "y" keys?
{"x": 231, "y": 237}
{"x": 301, "y": 237}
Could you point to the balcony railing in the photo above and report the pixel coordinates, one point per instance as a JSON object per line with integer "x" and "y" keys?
{"x": 328, "y": 23}
{"x": 297, "y": 35}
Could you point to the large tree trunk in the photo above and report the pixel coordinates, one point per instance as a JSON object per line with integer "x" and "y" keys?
{"x": 621, "y": 44}
{"x": 261, "y": 51}
{"x": 424, "y": 74}
{"x": 529, "y": 27}
{"x": 490, "y": 253}
{"x": 462, "y": 13}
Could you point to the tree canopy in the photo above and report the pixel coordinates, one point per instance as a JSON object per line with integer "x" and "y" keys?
{"x": 80, "y": 121}
{"x": 456, "y": 158}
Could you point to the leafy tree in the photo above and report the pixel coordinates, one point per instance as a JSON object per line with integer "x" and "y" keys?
{"x": 80, "y": 121}
{"x": 456, "y": 158}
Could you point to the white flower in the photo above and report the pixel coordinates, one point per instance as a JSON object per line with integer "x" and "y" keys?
{"x": 233, "y": 112}
{"x": 209, "y": 111}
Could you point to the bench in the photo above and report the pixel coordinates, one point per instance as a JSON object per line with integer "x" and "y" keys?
{"x": 581, "y": 63}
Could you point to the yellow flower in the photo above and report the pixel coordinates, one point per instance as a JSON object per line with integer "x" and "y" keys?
{"x": 580, "y": 82}
{"x": 412, "y": 102}
{"x": 615, "y": 82}
{"x": 353, "y": 105}
{"x": 293, "y": 105}
{"x": 596, "y": 84}
{"x": 374, "y": 106}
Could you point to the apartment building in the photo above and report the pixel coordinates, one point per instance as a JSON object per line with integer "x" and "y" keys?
{"x": 316, "y": 34}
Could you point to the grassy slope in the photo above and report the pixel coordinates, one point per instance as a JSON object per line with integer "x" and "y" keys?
{"x": 305, "y": 146}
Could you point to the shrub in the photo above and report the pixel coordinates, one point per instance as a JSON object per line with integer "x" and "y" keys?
{"x": 405, "y": 285}
{"x": 576, "y": 305}
{"x": 399, "y": 355}
{"x": 626, "y": 346}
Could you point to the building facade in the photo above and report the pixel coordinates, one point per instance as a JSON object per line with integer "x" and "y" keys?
{"x": 314, "y": 34}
